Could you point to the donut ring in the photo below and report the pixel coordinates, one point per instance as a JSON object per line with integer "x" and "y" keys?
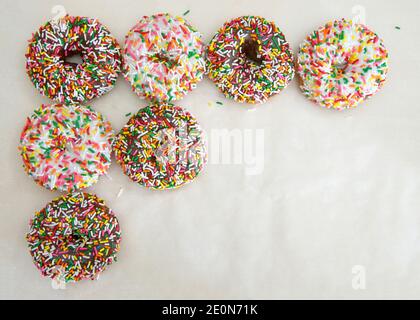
{"x": 250, "y": 60}
{"x": 66, "y": 147}
{"x": 74, "y": 237}
{"x": 163, "y": 58}
{"x": 67, "y": 82}
{"x": 342, "y": 64}
{"x": 161, "y": 147}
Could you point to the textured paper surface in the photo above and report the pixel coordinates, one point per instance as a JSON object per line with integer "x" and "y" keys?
{"x": 338, "y": 190}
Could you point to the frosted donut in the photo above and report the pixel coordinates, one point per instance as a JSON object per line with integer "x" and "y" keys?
{"x": 341, "y": 64}
{"x": 163, "y": 58}
{"x": 66, "y": 147}
{"x": 250, "y": 60}
{"x": 74, "y": 237}
{"x": 161, "y": 147}
{"x": 68, "y": 82}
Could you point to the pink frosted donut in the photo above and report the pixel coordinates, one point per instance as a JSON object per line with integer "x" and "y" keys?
{"x": 341, "y": 64}
{"x": 66, "y": 147}
{"x": 163, "y": 58}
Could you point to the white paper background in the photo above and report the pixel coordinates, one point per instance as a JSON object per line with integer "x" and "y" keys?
{"x": 338, "y": 189}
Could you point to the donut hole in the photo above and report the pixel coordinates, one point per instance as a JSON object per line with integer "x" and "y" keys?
{"x": 250, "y": 49}
{"x": 75, "y": 237}
{"x": 73, "y": 59}
{"x": 165, "y": 59}
{"x": 339, "y": 68}
{"x": 61, "y": 143}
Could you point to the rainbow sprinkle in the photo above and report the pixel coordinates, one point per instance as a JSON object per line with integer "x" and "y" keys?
{"x": 66, "y": 147}
{"x": 163, "y": 58}
{"x": 67, "y": 82}
{"x": 341, "y": 64}
{"x": 161, "y": 147}
{"x": 250, "y": 60}
{"x": 74, "y": 237}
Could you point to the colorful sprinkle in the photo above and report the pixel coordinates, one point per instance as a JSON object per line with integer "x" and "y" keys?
{"x": 161, "y": 147}
{"x": 67, "y": 82}
{"x": 163, "y": 58}
{"x": 74, "y": 237}
{"x": 66, "y": 147}
{"x": 341, "y": 64}
{"x": 250, "y": 60}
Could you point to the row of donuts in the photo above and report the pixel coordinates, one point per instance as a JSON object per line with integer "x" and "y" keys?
{"x": 339, "y": 65}
{"x": 66, "y": 146}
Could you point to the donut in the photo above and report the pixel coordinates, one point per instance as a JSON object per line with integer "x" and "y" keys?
{"x": 68, "y": 82}
{"x": 75, "y": 237}
{"x": 250, "y": 60}
{"x": 161, "y": 147}
{"x": 341, "y": 64}
{"x": 163, "y": 58}
{"x": 66, "y": 147}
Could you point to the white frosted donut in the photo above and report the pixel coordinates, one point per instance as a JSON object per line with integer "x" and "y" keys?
{"x": 66, "y": 147}
{"x": 341, "y": 64}
{"x": 163, "y": 58}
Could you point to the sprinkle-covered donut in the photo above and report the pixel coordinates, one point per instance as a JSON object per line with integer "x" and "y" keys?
{"x": 341, "y": 64}
{"x": 250, "y": 60}
{"x": 161, "y": 147}
{"x": 74, "y": 237}
{"x": 68, "y": 82}
{"x": 163, "y": 58}
{"x": 66, "y": 147}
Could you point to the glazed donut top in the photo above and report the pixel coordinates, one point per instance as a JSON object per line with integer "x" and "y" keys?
{"x": 67, "y": 82}
{"x": 342, "y": 64}
{"x": 66, "y": 147}
{"x": 74, "y": 237}
{"x": 163, "y": 57}
{"x": 250, "y": 59}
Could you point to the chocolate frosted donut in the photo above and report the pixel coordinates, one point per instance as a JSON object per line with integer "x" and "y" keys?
{"x": 249, "y": 59}
{"x": 161, "y": 147}
{"x": 68, "y": 82}
{"x": 74, "y": 237}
